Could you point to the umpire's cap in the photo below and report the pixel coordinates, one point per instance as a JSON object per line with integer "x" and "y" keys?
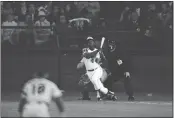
{"x": 41, "y": 75}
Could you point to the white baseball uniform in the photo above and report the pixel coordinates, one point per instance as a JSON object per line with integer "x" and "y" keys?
{"x": 94, "y": 71}
{"x": 39, "y": 93}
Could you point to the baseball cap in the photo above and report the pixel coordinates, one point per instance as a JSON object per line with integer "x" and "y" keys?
{"x": 89, "y": 38}
{"x": 41, "y": 13}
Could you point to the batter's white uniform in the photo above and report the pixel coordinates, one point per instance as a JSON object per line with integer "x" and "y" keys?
{"x": 94, "y": 71}
{"x": 39, "y": 93}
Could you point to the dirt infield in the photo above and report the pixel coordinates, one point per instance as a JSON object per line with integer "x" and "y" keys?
{"x": 144, "y": 106}
{"x": 102, "y": 109}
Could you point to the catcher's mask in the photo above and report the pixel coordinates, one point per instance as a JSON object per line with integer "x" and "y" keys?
{"x": 112, "y": 45}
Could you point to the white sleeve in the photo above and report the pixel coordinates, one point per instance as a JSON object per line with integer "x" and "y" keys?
{"x": 24, "y": 91}
{"x": 56, "y": 91}
{"x": 82, "y": 60}
{"x": 98, "y": 55}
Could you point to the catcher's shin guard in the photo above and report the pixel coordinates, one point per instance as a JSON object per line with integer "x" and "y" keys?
{"x": 85, "y": 94}
{"x": 84, "y": 86}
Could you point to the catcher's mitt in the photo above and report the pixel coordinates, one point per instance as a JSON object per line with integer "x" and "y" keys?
{"x": 84, "y": 80}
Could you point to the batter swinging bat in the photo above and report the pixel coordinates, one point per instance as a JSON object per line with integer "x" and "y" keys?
{"x": 102, "y": 42}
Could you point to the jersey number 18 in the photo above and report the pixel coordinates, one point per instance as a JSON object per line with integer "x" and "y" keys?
{"x": 39, "y": 89}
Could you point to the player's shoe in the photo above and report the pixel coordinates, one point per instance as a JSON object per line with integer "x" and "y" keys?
{"x": 131, "y": 98}
{"x": 99, "y": 99}
{"x": 110, "y": 93}
{"x": 114, "y": 98}
{"x": 111, "y": 96}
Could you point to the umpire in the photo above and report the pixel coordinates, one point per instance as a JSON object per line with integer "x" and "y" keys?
{"x": 119, "y": 66}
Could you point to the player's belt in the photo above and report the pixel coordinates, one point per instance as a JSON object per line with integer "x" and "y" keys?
{"x": 92, "y": 70}
{"x": 40, "y": 102}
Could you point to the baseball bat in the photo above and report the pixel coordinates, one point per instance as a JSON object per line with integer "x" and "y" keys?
{"x": 102, "y": 42}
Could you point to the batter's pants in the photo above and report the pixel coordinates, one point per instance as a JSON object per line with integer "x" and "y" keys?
{"x": 94, "y": 77}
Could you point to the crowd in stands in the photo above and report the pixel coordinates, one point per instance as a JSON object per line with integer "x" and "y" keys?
{"x": 82, "y": 16}
{"x": 152, "y": 16}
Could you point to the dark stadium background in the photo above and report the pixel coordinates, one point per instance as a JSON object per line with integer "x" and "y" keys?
{"x": 152, "y": 59}
{"x": 151, "y": 69}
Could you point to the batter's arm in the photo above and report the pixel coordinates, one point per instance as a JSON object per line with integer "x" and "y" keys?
{"x": 59, "y": 103}
{"x": 22, "y": 102}
{"x": 57, "y": 98}
{"x": 91, "y": 54}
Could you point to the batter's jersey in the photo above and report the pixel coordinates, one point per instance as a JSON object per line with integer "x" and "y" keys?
{"x": 90, "y": 63}
{"x": 40, "y": 89}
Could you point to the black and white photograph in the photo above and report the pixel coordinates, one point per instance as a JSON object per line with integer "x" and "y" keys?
{"x": 87, "y": 59}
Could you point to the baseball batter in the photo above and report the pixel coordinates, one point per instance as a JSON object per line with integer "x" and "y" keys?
{"x": 94, "y": 71}
{"x": 36, "y": 96}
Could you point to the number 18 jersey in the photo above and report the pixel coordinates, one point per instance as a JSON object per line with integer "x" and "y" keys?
{"x": 40, "y": 90}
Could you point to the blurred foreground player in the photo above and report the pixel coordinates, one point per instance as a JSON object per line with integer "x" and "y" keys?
{"x": 36, "y": 96}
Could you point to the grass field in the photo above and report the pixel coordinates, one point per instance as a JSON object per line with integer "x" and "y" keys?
{"x": 157, "y": 105}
